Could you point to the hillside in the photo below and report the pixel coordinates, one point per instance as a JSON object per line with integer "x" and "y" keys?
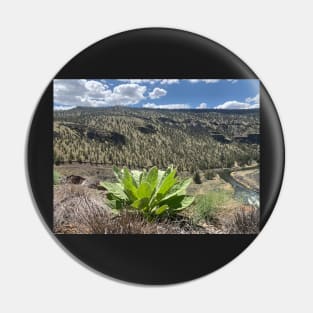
{"x": 138, "y": 138}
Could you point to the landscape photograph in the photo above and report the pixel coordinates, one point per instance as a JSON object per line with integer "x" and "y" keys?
{"x": 156, "y": 156}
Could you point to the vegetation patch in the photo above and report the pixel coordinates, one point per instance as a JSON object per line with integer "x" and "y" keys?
{"x": 111, "y": 173}
{"x": 207, "y": 205}
{"x": 56, "y": 178}
{"x": 152, "y": 193}
{"x": 141, "y": 138}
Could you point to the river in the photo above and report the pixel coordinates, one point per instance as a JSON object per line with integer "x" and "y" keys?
{"x": 241, "y": 192}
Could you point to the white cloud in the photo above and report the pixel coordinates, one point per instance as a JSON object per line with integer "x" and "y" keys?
{"x": 129, "y": 93}
{"x": 95, "y": 86}
{"x": 202, "y": 105}
{"x": 169, "y": 81}
{"x": 65, "y": 91}
{"x": 157, "y": 93}
{"x": 166, "y": 106}
{"x": 250, "y": 103}
{"x": 82, "y": 92}
{"x": 140, "y": 81}
{"x": 150, "y": 81}
{"x": 236, "y": 105}
{"x": 62, "y": 107}
{"x": 253, "y": 100}
{"x": 207, "y": 81}
{"x": 210, "y": 81}
{"x": 255, "y": 106}
{"x": 173, "y": 81}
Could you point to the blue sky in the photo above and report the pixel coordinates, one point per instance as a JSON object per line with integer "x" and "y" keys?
{"x": 157, "y": 93}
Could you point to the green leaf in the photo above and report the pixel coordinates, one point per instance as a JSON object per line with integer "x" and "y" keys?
{"x": 144, "y": 191}
{"x": 178, "y": 202}
{"x": 165, "y": 174}
{"x": 187, "y": 201}
{"x": 111, "y": 196}
{"x": 118, "y": 174}
{"x": 166, "y": 184}
{"x": 166, "y": 181}
{"x": 116, "y": 204}
{"x": 174, "y": 202}
{"x": 136, "y": 176}
{"x": 178, "y": 189}
{"x": 143, "y": 175}
{"x": 152, "y": 177}
{"x": 161, "y": 209}
{"x": 115, "y": 189}
{"x": 129, "y": 185}
{"x": 140, "y": 203}
{"x": 160, "y": 176}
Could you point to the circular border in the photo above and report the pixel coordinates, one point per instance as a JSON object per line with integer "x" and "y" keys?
{"x": 154, "y": 259}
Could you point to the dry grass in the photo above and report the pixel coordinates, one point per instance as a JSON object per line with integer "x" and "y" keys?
{"x": 79, "y": 210}
{"x": 245, "y": 222}
{"x": 73, "y": 204}
{"x": 129, "y": 222}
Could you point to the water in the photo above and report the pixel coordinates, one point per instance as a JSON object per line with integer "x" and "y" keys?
{"x": 241, "y": 192}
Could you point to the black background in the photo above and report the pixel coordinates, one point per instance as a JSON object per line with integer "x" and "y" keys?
{"x": 154, "y": 53}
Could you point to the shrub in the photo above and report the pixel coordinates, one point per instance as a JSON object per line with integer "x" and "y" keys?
{"x": 196, "y": 178}
{"x": 209, "y": 174}
{"x": 207, "y": 205}
{"x": 56, "y": 178}
{"x": 245, "y": 222}
{"x": 130, "y": 222}
{"x": 153, "y": 193}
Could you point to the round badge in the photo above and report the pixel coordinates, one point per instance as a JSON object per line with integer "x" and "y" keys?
{"x": 155, "y": 156}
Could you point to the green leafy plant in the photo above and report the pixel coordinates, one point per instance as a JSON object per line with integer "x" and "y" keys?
{"x": 56, "y": 178}
{"x": 207, "y": 205}
{"x": 153, "y": 193}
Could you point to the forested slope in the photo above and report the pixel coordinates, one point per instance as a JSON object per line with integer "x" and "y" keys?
{"x": 137, "y": 138}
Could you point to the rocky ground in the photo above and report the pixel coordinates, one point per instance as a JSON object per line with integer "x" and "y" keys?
{"x": 80, "y": 208}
